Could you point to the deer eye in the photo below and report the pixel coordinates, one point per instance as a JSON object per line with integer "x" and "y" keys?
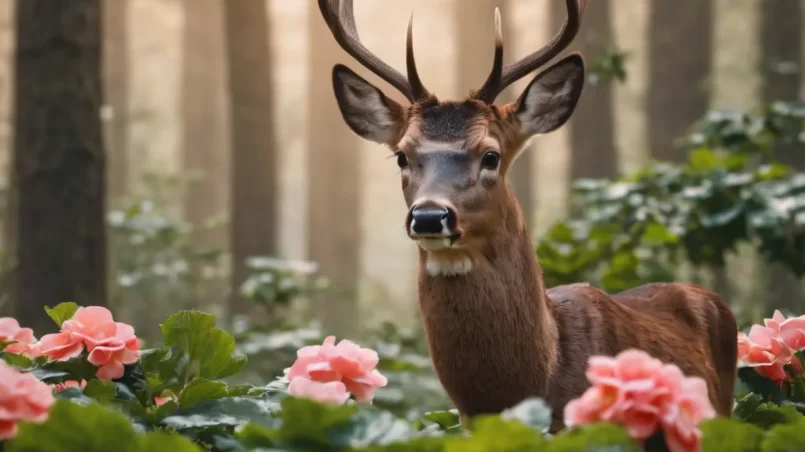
{"x": 490, "y": 160}
{"x": 402, "y": 160}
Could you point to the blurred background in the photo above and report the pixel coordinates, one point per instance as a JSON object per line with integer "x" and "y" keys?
{"x": 219, "y": 175}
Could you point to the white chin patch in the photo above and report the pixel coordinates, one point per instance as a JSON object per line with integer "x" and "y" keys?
{"x": 448, "y": 267}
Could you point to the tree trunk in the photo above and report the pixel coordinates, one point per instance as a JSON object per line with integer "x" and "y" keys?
{"x": 254, "y": 165}
{"x": 476, "y": 49}
{"x": 782, "y": 66}
{"x": 58, "y": 158}
{"x": 680, "y": 46}
{"x": 205, "y": 146}
{"x": 592, "y": 125}
{"x": 116, "y": 91}
{"x": 334, "y": 206}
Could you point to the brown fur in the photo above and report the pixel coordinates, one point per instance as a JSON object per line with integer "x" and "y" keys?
{"x": 497, "y": 336}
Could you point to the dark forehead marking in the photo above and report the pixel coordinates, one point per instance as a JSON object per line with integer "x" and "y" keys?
{"x": 447, "y": 121}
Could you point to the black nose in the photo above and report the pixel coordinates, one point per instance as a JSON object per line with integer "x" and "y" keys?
{"x": 430, "y": 220}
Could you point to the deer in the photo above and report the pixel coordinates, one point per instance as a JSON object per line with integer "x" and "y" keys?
{"x": 495, "y": 334}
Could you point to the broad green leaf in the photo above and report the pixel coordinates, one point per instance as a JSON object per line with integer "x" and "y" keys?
{"x": 309, "y": 421}
{"x": 200, "y": 390}
{"x": 77, "y": 428}
{"x": 445, "y": 419}
{"x": 224, "y": 412}
{"x": 101, "y": 390}
{"x": 492, "y": 433}
{"x": 62, "y": 312}
{"x": 164, "y": 442}
{"x": 210, "y": 350}
{"x": 785, "y": 438}
{"x": 371, "y": 427}
{"x": 533, "y": 412}
{"x": 730, "y": 435}
{"x": 18, "y": 361}
{"x": 595, "y": 437}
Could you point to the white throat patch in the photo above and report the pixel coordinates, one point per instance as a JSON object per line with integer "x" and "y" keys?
{"x": 448, "y": 267}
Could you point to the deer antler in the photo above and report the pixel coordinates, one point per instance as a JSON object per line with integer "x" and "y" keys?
{"x": 340, "y": 18}
{"x": 502, "y": 76}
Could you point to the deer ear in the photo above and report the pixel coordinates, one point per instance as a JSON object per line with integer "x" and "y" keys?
{"x": 366, "y": 110}
{"x": 549, "y": 100}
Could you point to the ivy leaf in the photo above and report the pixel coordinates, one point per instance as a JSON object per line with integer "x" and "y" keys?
{"x": 730, "y": 435}
{"x": 200, "y": 390}
{"x": 101, "y": 390}
{"x": 62, "y": 312}
{"x": 210, "y": 350}
{"x": 73, "y": 427}
{"x": 161, "y": 441}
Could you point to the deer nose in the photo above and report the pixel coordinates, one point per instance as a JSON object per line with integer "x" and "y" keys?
{"x": 431, "y": 220}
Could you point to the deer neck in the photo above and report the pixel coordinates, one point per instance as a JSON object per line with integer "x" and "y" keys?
{"x": 490, "y": 328}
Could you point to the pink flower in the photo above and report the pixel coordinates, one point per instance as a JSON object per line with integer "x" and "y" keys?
{"x": 22, "y": 398}
{"x": 111, "y": 344}
{"x": 331, "y": 391}
{"x": 790, "y": 331}
{"x": 642, "y": 394}
{"x": 58, "y": 347}
{"x": 159, "y": 401}
{"x": 347, "y": 363}
{"x": 765, "y": 349}
{"x": 23, "y": 337}
{"x": 59, "y": 387}
{"x": 689, "y": 407}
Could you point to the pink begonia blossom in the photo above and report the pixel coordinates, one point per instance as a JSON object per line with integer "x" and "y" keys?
{"x": 346, "y": 363}
{"x": 331, "y": 391}
{"x": 23, "y": 337}
{"x": 110, "y": 344}
{"x": 643, "y": 394}
{"x": 769, "y": 348}
{"x": 59, "y": 387}
{"x": 22, "y": 398}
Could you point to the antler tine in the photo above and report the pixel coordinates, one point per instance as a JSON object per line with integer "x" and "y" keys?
{"x": 340, "y": 18}
{"x": 512, "y": 72}
{"x": 490, "y": 89}
{"x": 417, "y": 88}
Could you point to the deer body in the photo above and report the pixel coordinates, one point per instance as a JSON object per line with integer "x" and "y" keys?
{"x": 496, "y": 335}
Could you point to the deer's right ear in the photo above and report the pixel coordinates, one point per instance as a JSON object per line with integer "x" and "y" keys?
{"x": 366, "y": 110}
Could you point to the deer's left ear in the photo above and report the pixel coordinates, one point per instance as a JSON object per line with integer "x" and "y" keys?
{"x": 549, "y": 100}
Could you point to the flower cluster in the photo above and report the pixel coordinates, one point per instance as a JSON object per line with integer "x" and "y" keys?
{"x": 22, "y": 338}
{"x": 642, "y": 394}
{"x": 330, "y": 372}
{"x": 22, "y": 398}
{"x": 110, "y": 344}
{"x": 771, "y": 347}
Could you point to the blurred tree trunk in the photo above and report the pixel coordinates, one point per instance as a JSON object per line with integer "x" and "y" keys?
{"x": 334, "y": 186}
{"x": 592, "y": 125}
{"x": 782, "y": 66}
{"x": 116, "y": 91}
{"x": 204, "y": 107}
{"x": 476, "y": 50}
{"x": 58, "y": 158}
{"x": 253, "y": 199}
{"x": 680, "y": 46}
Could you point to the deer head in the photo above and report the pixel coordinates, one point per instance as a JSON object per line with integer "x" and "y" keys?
{"x": 454, "y": 156}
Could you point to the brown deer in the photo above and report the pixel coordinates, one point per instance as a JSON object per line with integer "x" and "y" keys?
{"x": 495, "y": 334}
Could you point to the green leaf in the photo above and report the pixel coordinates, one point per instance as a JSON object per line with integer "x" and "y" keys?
{"x": 492, "y": 433}
{"x": 594, "y": 437}
{"x": 370, "y": 427}
{"x": 785, "y": 438}
{"x": 656, "y": 234}
{"x": 533, "y": 412}
{"x": 445, "y": 419}
{"x": 200, "y": 390}
{"x": 71, "y": 427}
{"x": 210, "y": 350}
{"x": 164, "y": 442}
{"x": 62, "y": 312}
{"x": 227, "y": 411}
{"x": 764, "y": 414}
{"x": 310, "y": 421}
{"x": 101, "y": 390}
{"x": 730, "y": 435}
